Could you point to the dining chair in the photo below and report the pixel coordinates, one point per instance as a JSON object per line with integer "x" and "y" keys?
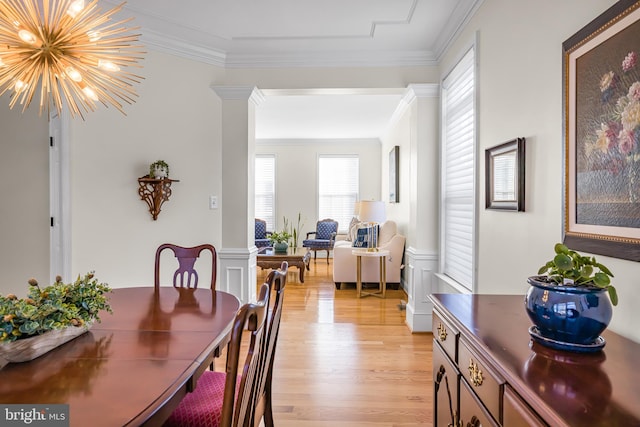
{"x": 187, "y": 257}
{"x": 276, "y": 279}
{"x": 227, "y": 399}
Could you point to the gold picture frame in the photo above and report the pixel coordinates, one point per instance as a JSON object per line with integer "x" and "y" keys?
{"x": 601, "y": 124}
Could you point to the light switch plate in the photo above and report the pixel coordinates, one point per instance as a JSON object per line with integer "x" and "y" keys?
{"x": 213, "y": 202}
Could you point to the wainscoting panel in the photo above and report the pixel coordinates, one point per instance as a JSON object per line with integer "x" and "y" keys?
{"x": 237, "y": 275}
{"x": 421, "y": 268}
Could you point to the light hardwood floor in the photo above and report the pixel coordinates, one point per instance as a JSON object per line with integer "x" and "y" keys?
{"x": 347, "y": 362}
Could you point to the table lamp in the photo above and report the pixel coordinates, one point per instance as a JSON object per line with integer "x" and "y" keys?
{"x": 372, "y": 213}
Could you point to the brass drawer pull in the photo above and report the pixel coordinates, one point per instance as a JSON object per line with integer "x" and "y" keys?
{"x": 442, "y": 332}
{"x": 475, "y": 374}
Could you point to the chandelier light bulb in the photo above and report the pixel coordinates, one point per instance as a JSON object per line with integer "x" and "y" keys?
{"x": 20, "y": 86}
{"x": 91, "y": 94}
{"x": 108, "y": 66}
{"x": 73, "y": 74}
{"x": 54, "y": 50}
{"x": 75, "y": 8}
{"x": 94, "y": 36}
{"x": 27, "y": 36}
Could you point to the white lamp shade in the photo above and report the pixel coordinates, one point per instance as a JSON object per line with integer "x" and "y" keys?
{"x": 356, "y": 208}
{"x": 372, "y": 211}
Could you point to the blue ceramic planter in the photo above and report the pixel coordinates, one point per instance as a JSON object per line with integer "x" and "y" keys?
{"x": 567, "y": 317}
{"x": 280, "y": 247}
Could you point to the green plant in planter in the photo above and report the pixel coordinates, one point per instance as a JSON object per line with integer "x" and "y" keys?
{"x": 279, "y": 236}
{"x": 54, "y": 307}
{"x": 568, "y": 267}
{"x": 158, "y": 164}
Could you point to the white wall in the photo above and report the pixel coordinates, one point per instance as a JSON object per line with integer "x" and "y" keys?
{"x": 520, "y": 95}
{"x": 177, "y": 119}
{"x": 399, "y": 134}
{"x": 24, "y": 198}
{"x": 297, "y": 174}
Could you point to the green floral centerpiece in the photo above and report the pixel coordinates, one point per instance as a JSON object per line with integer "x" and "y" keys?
{"x": 51, "y": 309}
{"x": 280, "y": 240}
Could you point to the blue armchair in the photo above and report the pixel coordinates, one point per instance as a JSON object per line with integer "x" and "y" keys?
{"x": 325, "y": 237}
{"x": 262, "y": 235}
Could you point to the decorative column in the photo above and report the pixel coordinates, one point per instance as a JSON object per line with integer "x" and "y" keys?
{"x": 422, "y": 245}
{"x": 237, "y": 256}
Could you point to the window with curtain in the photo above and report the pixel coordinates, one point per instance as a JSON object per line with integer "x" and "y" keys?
{"x": 458, "y": 201}
{"x": 338, "y": 184}
{"x": 265, "y": 188}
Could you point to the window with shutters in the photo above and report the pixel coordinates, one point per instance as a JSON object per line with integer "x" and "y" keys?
{"x": 458, "y": 171}
{"x": 265, "y": 188}
{"x": 338, "y": 184}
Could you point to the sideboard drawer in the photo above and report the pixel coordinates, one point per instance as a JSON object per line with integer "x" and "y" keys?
{"x": 446, "y": 335}
{"x": 485, "y": 382}
{"x": 516, "y": 412}
{"x": 445, "y": 380}
{"x": 472, "y": 413}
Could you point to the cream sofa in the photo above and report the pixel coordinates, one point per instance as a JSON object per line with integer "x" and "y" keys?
{"x": 344, "y": 262}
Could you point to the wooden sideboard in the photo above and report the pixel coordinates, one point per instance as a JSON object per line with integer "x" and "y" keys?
{"x": 488, "y": 372}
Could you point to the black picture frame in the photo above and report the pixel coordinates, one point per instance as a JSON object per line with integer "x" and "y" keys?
{"x": 601, "y": 179}
{"x": 394, "y": 175}
{"x": 505, "y": 176}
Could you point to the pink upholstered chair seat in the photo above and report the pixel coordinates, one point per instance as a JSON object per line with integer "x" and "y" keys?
{"x": 203, "y": 407}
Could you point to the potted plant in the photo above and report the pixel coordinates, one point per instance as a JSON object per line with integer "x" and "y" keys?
{"x": 159, "y": 169}
{"x": 50, "y": 316}
{"x": 279, "y": 240}
{"x": 570, "y": 301}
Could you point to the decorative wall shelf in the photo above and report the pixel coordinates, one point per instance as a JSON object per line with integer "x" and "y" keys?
{"x": 155, "y": 191}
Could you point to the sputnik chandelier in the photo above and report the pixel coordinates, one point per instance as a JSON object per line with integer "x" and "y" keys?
{"x": 68, "y": 52}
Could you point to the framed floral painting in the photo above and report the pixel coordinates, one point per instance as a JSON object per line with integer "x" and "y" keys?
{"x": 601, "y": 84}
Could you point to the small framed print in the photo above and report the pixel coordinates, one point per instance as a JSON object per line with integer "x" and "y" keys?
{"x": 504, "y": 176}
{"x": 394, "y": 175}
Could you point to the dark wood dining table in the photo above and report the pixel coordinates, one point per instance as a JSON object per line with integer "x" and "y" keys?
{"x": 135, "y": 366}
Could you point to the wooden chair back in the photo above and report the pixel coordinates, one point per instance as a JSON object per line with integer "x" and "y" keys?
{"x": 228, "y": 399}
{"x": 239, "y": 411}
{"x": 186, "y": 275}
{"x": 276, "y": 280}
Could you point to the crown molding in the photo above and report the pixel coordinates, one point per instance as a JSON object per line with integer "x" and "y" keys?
{"x": 182, "y": 48}
{"x": 175, "y": 45}
{"x": 332, "y": 59}
{"x": 235, "y": 93}
{"x": 200, "y": 53}
{"x": 456, "y": 23}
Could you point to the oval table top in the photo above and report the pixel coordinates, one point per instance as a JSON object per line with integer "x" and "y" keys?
{"x": 134, "y": 366}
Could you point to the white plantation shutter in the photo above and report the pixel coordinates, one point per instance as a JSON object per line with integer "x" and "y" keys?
{"x": 265, "y": 187}
{"x": 458, "y": 172}
{"x": 338, "y": 183}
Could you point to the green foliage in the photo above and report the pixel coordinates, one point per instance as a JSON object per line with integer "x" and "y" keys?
{"x": 569, "y": 267}
{"x": 279, "y": 236}
{"x": 54, "y": 307}
{"x": 158, "y": 164}
{"x": 294, "y": 230}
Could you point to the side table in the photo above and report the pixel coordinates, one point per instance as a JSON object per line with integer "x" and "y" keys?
{"x": 381, "y": 254}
